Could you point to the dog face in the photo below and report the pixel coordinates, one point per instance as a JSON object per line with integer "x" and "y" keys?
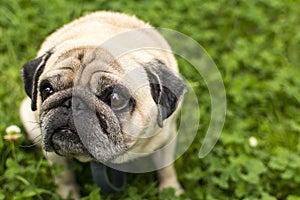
{"x": 94, "y": 106}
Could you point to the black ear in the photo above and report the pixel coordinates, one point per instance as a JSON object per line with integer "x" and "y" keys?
{"x": 167, "y": 88}
{"x": 31, "y": 72}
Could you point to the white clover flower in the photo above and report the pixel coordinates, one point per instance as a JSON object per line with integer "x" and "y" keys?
{"x": 253, "y": 141}
{"x": 12, "y": 133}
{"x": 13, "y": 129}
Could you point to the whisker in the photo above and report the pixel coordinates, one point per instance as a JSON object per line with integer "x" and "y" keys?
{"x": 38, "y": 138}
{"x": 35, "y": 142}
{"x": 34, "y": 122}
{"x": 31, "y": 145}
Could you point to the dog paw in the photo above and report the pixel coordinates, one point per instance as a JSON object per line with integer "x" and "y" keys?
{"x": 68, "y": 192}
{"x": 172, "y": 183}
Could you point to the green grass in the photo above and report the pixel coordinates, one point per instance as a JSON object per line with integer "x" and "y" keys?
{"x": 255, "y": 45}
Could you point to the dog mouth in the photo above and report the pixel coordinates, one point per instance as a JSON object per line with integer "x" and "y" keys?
{"x": 65, "y": 142}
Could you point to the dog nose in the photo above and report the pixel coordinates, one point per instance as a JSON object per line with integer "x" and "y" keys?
{"x": 75, "y": 103}
{"x": 67, "y": 103}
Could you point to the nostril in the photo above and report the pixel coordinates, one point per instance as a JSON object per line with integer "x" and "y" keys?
{"x": 78, "y": 104}
{"x": 68, "y": 103}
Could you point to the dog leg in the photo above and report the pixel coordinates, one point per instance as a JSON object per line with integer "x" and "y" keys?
{"x": 66, "y": 181}
{"x": 167, "y": 176}
{"x": 67, "y": 186}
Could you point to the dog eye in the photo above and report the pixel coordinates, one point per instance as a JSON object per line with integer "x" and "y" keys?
{"x": 118, "y": 98}
{"x": 46, "y": 90}
{"x": 118, "y": 101}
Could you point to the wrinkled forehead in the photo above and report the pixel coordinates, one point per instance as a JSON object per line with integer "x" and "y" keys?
{"x": 89, "y": 66}
{"x": 78, "y": 59}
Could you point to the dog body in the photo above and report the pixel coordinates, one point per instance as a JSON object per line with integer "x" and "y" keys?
{"x": 103, "y": 88}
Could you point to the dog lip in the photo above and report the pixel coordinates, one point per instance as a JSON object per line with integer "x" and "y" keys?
{"x": 65, "y": 142}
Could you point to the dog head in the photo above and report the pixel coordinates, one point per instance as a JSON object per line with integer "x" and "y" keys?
{"x": 92, "y": 105}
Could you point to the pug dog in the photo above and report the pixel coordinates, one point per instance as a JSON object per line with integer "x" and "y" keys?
{"x": 104, "y": 87}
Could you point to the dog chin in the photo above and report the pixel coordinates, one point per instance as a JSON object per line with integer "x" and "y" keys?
{"x": 65, "y": 141}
